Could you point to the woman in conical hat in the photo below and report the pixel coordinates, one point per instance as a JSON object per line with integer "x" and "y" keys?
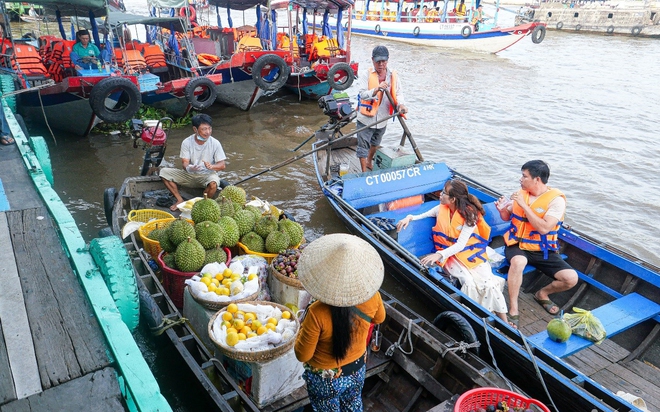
{"x": 343, "y": 273}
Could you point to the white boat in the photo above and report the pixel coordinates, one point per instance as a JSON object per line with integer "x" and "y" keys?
{"x": 441, "y": 27}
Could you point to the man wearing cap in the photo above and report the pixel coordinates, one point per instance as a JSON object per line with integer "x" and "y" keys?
{"x": 373, "y": 105}
{"x": 478, "y": 17}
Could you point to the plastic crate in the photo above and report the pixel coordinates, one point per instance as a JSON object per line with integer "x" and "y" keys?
{"x": 174, "y": 280}
{"x": 482, "y": 397}
{"x": 147, "y": 215}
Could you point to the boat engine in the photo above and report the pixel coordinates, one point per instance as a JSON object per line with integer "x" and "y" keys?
{"x": 339, "y": 108}
{"x": 151, "y": 136}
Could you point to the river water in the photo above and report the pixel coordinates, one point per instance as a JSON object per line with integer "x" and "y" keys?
{"x": 586, "y": 104}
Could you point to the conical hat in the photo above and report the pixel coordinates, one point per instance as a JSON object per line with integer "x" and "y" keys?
{"x": 340, "y": 270}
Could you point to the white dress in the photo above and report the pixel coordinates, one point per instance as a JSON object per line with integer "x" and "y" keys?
{"x": 478, "y": 283}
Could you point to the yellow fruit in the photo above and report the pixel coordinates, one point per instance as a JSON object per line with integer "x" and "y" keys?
{"x": 256, "y": 324}
{"x": 272, "y": 321}
{"x": 245, "y": 329}
{"x": 241, "y": 336}
{"x": 218, "y": 291}
{"x": 218, "y": 276}
{"x": 226, "y": 282}
{"x": 226, "y": 324}
{"x": 239, "y": 324}
{"x": 206, "y": 281}
{"x": 251, "y": 335}
{"x": 250, "y": 316}
{"x": 230, "y": 330}
{"x": 216, "y": 282}
{"x": 227, "y": 273}
{"x": 252, "y": 276}
{"x": 232, "y": 338}
{"x": 271, "y": 326}
{"x": 227, "y": 316}
{"x": 223, "y": 291}
{"x": 261, "y": 330}
{"x": 232, "y": 308}
{"x": 286, "y": 315}
{"x": 211, "y": 287}
{"x": 241, "y": 313}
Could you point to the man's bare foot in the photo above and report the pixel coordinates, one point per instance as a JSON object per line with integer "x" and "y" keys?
{"x": 173, "y": 208}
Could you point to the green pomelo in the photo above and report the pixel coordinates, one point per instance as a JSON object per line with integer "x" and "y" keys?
{"x": 559, "y": 330}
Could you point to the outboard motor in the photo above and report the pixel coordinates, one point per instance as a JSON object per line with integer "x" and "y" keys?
{"x": 151, "y": 136}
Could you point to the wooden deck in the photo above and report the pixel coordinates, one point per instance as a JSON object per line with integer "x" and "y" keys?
{"x": 53, "y": 355}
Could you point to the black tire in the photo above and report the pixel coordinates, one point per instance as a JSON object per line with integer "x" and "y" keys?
{"x": 127, "y": 106}
{"x": 610, "y": 29}
{"x": 578, "y": 27}
{"x": 466, "y": 31}
{"x": 21, "y": 123}
{"x": 345, "y": 72}
{"x": 457, "y": 322}
{"x": 271, "y": 63}
{"x": 201, "y": 93}
{"x": 560, "y": 25}
{"x": 105, "y": 232}
{"x": 416, "y": 31}
{"x": 109, "y": 197}
{"x": 377, "y": 29}
{"x": 636, "y": 30}
{"x": 538, "y": 34}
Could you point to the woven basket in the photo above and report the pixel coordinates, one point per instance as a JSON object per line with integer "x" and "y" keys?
{"x": 215, "y": 305}
{"x": 257, "y": 356}
{"x": 152, "y": 246}
{"x": 285, "y": 279}
{"x": 147, "y": 215}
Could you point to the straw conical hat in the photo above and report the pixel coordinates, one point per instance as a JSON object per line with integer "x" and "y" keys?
{"x": 340, "y": 270}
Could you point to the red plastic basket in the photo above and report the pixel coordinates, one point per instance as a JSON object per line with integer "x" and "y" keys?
{"x": 482, "y": 397}
{"x": 174, "y": 280}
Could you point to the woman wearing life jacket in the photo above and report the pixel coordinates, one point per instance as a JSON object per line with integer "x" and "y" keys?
{"x": 536, "y": 213}
{"x": 373, "y": 105}
{"x": 460, "y": 236}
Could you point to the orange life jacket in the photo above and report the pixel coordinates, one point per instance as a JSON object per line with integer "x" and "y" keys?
{"x": 460, "y": 10}
{"x": 154, "y": 57}
{"x": 447, "y": 230}
{"x": 370, "y": 107}
{"x": 522, "y": 232}
{"x": 28, "y": 61}
{"x": 207, "y": 59}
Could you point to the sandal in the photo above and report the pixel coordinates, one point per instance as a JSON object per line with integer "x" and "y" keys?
{"x": 7, "y": 140}
{"x": 513, "y": 320}
{"x": 547, "y": 304}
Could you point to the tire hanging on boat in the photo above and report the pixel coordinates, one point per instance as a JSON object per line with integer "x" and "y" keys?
{"x": 610, "y": 30}
{"x": 276, "y": 75}
{"x": 416, "y": 31}
{"x": 377, "y": 29}
{"x": 466, "y": 31}
{"x": 560, "y": 25}
{"x": 538, "y": 34}
{"x": 112, "y": 259}
{"x": 200, "y": 92}
{"x": 339, "y": 68}
{"x": 127, "y": 104}
{"x": 636, "y": 30}
{"x": 109, "y": 197}
{"x": 455, "y": 320}
{"x": 578, "y": 27}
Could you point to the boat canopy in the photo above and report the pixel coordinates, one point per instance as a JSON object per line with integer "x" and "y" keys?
{"x": 231, "y": 4}
{"x": 314, "y": 4}
{"x": 73, "y": 7}
{"x": 116, "y": 18}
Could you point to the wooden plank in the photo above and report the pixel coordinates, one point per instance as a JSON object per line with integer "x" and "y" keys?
{"x": 590, "y": 361}
{"x": 97, "y": 391}
{"x": 67, "y": 339}
{"x": 645, "y": 370}
{"x": 21, "y": 358}
{"x": 628, "y": 381}
{"x": 16, "y": 182}
{"x": 616, "y": 317}
{"x": 7, "y": 392}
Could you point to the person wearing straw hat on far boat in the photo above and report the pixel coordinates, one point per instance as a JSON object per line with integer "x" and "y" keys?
{"x": 343, "y": 273}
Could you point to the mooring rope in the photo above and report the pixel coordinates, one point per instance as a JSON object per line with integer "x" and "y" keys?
{"x": 405, "y": 336}
{"x": 462, "y": 346}
{"x": 166, "y": 324}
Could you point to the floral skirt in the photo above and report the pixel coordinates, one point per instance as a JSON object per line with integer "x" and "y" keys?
{"x": 335, "y": 394}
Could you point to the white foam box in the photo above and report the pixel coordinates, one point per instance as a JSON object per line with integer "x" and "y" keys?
{"x": 287, "y": 295}
{"x": 264, "y": 382}
{"x": 386, "y": 158}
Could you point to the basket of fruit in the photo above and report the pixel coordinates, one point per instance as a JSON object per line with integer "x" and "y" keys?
{"x": 496, "y": 399}
{"x": 174, "y": 279}
{"x": 253, "y": 331}
{"x": 218, "y": 285}
{"x": 147, "y": 215}
{"x": 284, "y": 267}
{"x": 150, "y": 244}
{"x": 269, "y": 236}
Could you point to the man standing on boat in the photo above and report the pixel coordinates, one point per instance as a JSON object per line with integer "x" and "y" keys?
{"x": 202, "y": 158}
{"x": 373, "y": 105}
{"x": 536, "y": 213}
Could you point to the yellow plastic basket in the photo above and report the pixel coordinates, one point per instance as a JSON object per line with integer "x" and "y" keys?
{"x": 268, "y": 256}
{"x": 147, "y": 215}
{"x": 152, "y": 246}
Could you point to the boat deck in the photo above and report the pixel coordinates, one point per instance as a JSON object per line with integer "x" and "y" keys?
{"x": 53, "y": 355}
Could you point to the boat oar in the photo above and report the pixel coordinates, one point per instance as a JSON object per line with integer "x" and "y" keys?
{"x": 303, "y": 143}
{"x": 321, "y": 147}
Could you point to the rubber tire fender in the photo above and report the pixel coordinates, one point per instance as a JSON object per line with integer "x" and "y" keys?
{"x": 466, "y": 31}
{"x": 104, "y": 88}
{"x": 578, "y": 27}
{"x": 538, "y": 34}
{"x": 416, "y": 31}
{"x": 336, "y": 68}
{"x": 455, "y": 320}
{"x": 109, "y": 197}
{"x": 261, "y": 63}
{"x": 560, "y": 25}
{"x": 610, "y": 29}
{"x": 636, "y": 30}
{"x": 206, "y": 98}
{"x": 377, "y": 29}
{"x": 112, "y": 259}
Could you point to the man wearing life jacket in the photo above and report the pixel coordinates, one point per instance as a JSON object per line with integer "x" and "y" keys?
{"x": 460, "y": 237}
{"x": 460, "y": 9}
{"x": 373, "y": 105}
{"x": 536, "y": 213}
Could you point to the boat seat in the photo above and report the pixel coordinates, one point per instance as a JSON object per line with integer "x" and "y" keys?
{"x": 501, "y": 269}
{"x": 416, "y": 238}
{"x": 616, "y": 316}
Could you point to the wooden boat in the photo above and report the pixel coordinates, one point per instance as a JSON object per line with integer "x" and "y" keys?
{"x": 389, "y": 21}
{"x": 439, "y": 368}
{"x": 621, "y": 290}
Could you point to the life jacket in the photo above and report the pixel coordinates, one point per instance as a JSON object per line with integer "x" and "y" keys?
{"x": 154, "y": 57}
{"x": 522, "y": 232}
{"x": 208, "y": 59}
{"x": 447, "y": 230}
{"x": 432, "y": 16}
{"x": 27, "y": 60}
{"x": 370, "y": 107}
{"x": 460, "y": 10}
{"x": 134, "y": 61}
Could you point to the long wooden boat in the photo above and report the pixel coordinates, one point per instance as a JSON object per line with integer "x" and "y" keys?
{"x": 438, "y": 369}
{"x": 621, "y": 290}
{"x": 389, "y": 21}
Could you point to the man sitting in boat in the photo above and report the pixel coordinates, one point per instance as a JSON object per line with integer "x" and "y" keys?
{"x": 460, "y": 236}
{"x": 536, "y": 213}
{"x": 460, "y": 9}
{"x": 202, "y": 157}
{"x": 478, "y": 17}
{"x": 373, "y": 105}
{"x": 85, "y": 55}
{"x": 432, "y": 16}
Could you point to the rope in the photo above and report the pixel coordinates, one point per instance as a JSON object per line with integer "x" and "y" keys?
{"x": 399, "y": 344}
{"x": 462, "y": 346}
{"x": 492, "y": 356}
{"x": 166, "y": 324}
{"x": 536, "y": 368}
{"x": 41, "y": 103}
